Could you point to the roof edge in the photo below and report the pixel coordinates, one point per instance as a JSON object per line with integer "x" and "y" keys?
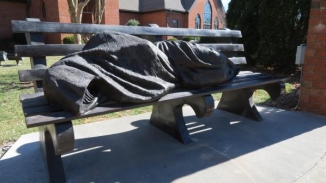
{"x": 190, "y": 9}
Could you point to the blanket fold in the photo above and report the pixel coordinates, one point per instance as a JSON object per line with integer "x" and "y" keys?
{"x": 123, "y": 68}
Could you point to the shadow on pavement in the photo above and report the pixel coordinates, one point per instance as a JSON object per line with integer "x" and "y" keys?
{"x": 145, "y": 154}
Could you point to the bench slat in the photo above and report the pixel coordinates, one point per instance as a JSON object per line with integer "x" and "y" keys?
{"x": 65, "y": 49}
{"x": 56, "y": 27}
{"x": 238, "y": 60}
{"x": 23, "y": 97}
{"x": 33, "y": 100}
{"x": 31, "y": 75}
{"x": 29, "y": 111}
{"x": 47, "y": 50}
{"x": 35, "y": 104}
{"x": 56, "y": 117}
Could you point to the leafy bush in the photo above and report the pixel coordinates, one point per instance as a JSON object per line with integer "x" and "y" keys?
{"x": 190, "y": 38}
{"x": 270, "y": 35}
{"x": 132, "y": 22}
{"x": 173, "y": 39}
{"x": 68, "y": 40}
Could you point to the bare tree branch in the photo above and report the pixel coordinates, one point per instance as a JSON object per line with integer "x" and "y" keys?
{"x": 82, "y": 4}
{"x": 76, "y": 8}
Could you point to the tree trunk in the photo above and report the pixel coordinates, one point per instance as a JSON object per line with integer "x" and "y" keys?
{"x": 98, "y": 15}
{"x": 76, "y": 8}
{"x": 99, "y": 10}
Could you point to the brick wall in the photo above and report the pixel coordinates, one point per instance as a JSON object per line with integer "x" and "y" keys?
{"x": 161, "y": 18}
{"x": 35, "y": 10}
{"x": 7, "y": 14}
{"x": 313, "y": 85}
{"x": 125, "y": 16}
{"x": 111, "y": 13}
{"x": 60, "y": 10}
{"x": 158, "y": 17}
{"x": 57, "y": 11}
{"x": 182, "y": 19}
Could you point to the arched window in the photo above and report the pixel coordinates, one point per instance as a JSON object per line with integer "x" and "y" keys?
{"x": 197, "y": 22}
{"x": 207, "y": 15}
{"x": 216, "y": 23}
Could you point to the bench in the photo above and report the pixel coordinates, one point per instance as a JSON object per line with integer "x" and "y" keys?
{"x": 15, "y": 57}
{"x": 55, "y": 126}
{"x": 9, "y": 56}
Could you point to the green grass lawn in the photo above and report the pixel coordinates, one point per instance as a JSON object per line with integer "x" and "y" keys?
{"x": 12, "y": 123}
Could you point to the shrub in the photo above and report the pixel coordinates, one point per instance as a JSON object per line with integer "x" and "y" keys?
{"x": 173, "y": 39}
{"x": 187, "y": 39}
{"x": 132, "y": 22}
{"x": 68, "y": 40}
{"x": 270, "y": 35}
{"x": 190, "y": 38}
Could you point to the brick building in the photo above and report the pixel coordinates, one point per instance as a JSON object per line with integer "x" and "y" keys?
{"x": 166, "y": 13}
{"x": 313, "y": 85}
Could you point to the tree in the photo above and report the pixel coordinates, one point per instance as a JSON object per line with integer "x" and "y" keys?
{"x": 76, "y": 8}
{"x": 243, "y": 15}
{"x": 99, "y": 10}
{"x": 270, "y": 35}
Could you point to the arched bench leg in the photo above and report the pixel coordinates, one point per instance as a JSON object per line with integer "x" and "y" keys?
{"x": 168, "y": 116}
{"x": 241, "y": 101}
{"x": 56, "y": 139}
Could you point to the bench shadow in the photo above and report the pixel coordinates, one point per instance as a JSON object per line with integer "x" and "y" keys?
{"x": 6, "y": 87}
{"x": 9, "y": 82}
{"x": 7, "y": 65}
{"x": 146, "y": 154}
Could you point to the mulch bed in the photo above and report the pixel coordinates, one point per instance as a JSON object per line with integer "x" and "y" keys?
{"x": 288, "y": 101}
{"x": 5, "y": 147}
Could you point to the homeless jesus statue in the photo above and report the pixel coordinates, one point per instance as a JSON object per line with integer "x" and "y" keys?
{"x": 123, "y": 68}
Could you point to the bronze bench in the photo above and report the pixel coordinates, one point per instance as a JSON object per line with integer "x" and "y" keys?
{"x": 9, "y": 56}
{"x": 56, "y": 129}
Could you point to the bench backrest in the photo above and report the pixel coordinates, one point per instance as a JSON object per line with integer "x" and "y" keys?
{"x": 37, "y": 50}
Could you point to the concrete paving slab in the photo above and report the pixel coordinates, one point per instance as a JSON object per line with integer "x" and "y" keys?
{"x": 285, "y": 147}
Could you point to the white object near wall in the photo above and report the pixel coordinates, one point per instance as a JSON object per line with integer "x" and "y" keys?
{"x": 299, "y": 58}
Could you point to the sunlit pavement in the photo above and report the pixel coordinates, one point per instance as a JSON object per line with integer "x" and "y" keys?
{"x": 285, "y": 147}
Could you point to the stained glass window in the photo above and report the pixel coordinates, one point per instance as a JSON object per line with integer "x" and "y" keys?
{"x": 207, "y": 16}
